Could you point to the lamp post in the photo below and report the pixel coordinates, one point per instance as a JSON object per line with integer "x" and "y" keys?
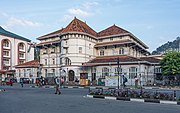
{"x": 118, "y": 72}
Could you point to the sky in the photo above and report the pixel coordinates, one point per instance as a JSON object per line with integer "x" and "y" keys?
{"x": 154, "y": 22}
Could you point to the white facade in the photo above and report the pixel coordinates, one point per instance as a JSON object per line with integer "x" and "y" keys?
{"x": 74, "y": 49}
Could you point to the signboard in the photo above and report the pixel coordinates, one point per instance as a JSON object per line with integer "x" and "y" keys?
{"x": 112, "y": 81}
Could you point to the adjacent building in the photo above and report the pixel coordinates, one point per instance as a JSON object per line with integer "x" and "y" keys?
{"x": 15, "y": 50}
{"x": 78, "y": 52}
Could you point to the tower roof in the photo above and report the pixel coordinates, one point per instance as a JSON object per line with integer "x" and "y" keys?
{"x": 77, "y": 25}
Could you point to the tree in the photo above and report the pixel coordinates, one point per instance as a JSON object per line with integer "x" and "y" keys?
{"x": 170, "y": 65}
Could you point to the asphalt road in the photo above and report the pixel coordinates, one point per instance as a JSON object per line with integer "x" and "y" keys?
{"x": 43, "y": 100}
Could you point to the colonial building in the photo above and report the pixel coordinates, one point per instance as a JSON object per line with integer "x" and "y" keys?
{"x": 79, "y": 52}
{"x": 14, "y": 50}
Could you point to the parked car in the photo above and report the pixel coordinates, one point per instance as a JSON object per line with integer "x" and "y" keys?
{"x": 25, "y": 80}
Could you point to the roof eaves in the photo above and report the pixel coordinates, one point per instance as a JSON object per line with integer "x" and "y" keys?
{"x": 116, "y": 35}
{"x": 79, "y": 33}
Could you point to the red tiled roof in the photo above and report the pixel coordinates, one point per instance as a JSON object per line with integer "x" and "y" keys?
{"x": 106, "y": 59}
{"x": 51, "y": 34}
{"x": 122, "y": 58}
{"x": 77, "y": 25}
{"x": 33, "y": 64}
{"x": 49, "y": 42}
{"x": 113, "y": 42}
{"x": 113, "y": 30}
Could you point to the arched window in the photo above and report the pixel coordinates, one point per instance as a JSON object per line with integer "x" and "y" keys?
{"x": 67, "y": 61}
{"x": 121, "y": 51}
{"x": 102, "y": 53}
{"x": 6, "y": 43}
{"x": 21, "y": 46}
{"x": 105, "y": 72}
{"x": 132, "y": 72}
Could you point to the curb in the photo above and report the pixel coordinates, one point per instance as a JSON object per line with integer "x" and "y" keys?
{"x": 134, "y": 99}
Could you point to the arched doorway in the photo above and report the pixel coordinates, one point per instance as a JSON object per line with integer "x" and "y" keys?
{"x": 71, "y": 75}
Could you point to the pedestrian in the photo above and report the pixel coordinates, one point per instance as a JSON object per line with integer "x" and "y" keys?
{"x": 57, "y": 83}
{"x": 21, "y": 82}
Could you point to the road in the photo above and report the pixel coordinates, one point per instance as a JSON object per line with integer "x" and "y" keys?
{"x": 43, "y": 100}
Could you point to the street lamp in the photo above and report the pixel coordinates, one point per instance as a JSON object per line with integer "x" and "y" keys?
{"x": 119, "y": 73}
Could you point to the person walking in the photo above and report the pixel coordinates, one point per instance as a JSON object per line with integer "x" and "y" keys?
{"x": 57, "y": 83}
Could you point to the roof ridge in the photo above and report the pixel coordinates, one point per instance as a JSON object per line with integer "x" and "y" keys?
{"x": 112, "y": 30}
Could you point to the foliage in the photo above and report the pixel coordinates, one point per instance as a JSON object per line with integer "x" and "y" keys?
{"x": 170, "y": 64}
{"x": 168, "y": 46}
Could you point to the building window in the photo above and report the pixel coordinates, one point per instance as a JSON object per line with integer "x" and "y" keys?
{"x": 102, "y": 53}
{"x": 67, "y": 61}
{"x": 21, "y": 46}
{"x": 53, "y": 50}
{"x": 6, "y": 53}
{"x": 121, "y": 51}
{"x": 6, "y": 43}
{"x": 45, "y": 61}
{"x": 80, "y": 49}
{"x": 6, "y": 62}
{"x": 157, "y": 70}
{"x": 21, "y": 55}
{"x": 105, "y": 72}
{"x": 53, "y": 61}
{"x": 132, "y": 72}
{"x": 21, "y": 61}
{"x": 61, "y": 61}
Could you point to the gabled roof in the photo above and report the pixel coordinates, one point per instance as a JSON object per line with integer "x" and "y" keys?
{"x": 77, "y": 25}
{"x": 30, "y": 64}
{"x": 51, "y": 34}
{"x": 112, "y": 30}
{"x": 9, "y": 34}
